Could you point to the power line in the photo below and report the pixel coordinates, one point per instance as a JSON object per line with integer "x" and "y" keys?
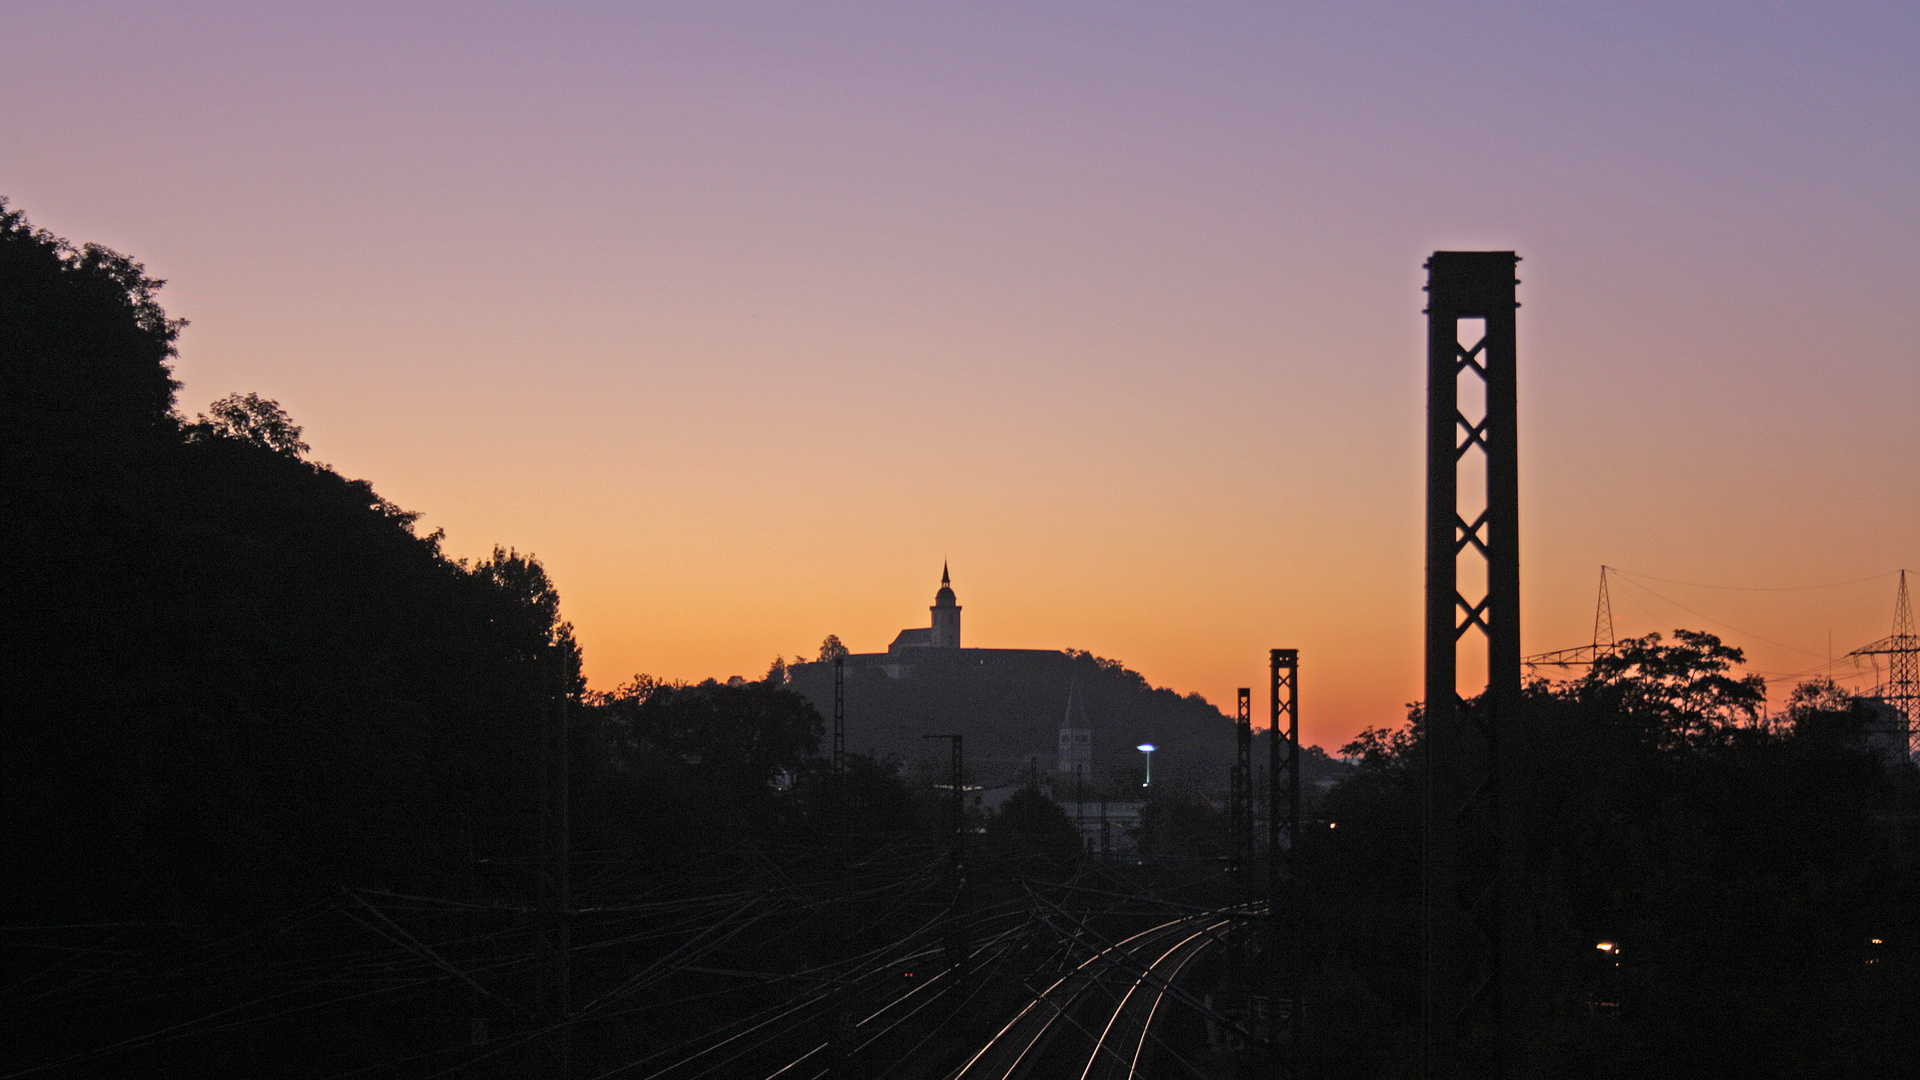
{"x": 1724, "y": 625}
{"x": 1754, "y": 588}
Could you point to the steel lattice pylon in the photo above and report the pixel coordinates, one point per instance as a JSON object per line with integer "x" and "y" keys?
{"x": 1241, "y": 821}
{"x": 1584, "y": 655}
{"x": 1901, "y": 690}
{"x": 1603, "y": 618}
{"x": 1284, "y": 900}
{"x": 1473, "y": 1002}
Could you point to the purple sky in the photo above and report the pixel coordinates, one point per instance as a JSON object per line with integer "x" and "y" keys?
{"x": 745, "y": 316}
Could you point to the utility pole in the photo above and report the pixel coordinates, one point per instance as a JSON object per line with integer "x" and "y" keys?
{"x": 1079, "y": 801}
{"x": 839, "y": 796}
{"x": 845, "y": 1037}
{"x": 1475, "y": 926}
{"x": 554, "y": 933}
{"x": 957, "y": 947}
{"x": 839, "y": 715}
{"x": 1242, "y": 801}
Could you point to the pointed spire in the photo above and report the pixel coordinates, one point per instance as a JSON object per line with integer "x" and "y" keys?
{"x": 944, "y": 580}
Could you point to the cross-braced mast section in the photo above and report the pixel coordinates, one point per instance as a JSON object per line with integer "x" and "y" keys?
{"x": 1472, "y": 868}
{"x": 1901, "y": 689}
{"x": 1283, "y": 839}
{"x": 1241, "y": 820}
{"x": 1603, "y": 618}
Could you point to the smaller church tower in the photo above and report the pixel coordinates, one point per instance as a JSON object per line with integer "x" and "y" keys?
{"x": 946, "y": 615}
{"x": 1076, "y": 746}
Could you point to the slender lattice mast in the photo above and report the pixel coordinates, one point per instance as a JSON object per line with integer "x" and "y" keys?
{"x": 1603, "y": 618}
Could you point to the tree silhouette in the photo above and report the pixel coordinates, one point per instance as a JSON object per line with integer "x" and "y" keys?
{"x": 84, "y": 344}
{"x": 1029, "y": 825}
{"x": 831, "y": 649}
{"x": 1739, "y": 871}
{"x": 250, "y": 418}
{"x": 236, "y": 677}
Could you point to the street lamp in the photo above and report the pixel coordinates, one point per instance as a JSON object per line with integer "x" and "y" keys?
{"x": 1147, "y": 749}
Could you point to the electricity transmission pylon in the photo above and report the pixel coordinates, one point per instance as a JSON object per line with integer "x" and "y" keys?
{"x": 1603, "y": 617}
{"x": 1901, "y": 690}
{"x": 1583, "y": 655}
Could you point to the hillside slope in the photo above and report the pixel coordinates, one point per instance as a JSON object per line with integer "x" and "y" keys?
{"x": 1010, "y": 710}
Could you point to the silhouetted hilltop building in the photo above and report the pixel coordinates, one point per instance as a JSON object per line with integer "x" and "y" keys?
{"x": 945, "y": 631}
{"x": 1007, "y": 704}
{"x": 938, "y": 643}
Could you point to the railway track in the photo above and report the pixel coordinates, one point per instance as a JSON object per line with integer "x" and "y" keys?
{"x": 1097, "y": 1020}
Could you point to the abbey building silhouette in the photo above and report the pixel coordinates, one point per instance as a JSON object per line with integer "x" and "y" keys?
{"x": 945, "y": 631}
{"x": 1008, "y": 705}
{"x": 938, "y": 644}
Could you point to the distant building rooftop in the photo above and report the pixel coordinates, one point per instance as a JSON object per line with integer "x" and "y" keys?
{"x": 920, "y": 637}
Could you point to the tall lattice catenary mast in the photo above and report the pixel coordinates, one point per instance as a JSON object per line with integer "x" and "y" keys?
{"x": 1476, "y": 1005}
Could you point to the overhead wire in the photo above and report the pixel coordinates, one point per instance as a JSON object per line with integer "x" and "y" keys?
{"x": 1755, "y": 588}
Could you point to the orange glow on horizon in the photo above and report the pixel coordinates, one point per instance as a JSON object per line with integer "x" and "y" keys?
{"x": 744, "y": 319}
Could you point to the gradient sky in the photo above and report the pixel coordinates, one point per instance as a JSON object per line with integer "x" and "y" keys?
{"x": 743, "y": 317}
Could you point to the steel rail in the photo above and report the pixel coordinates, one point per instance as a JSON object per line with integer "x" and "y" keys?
{"x": 1085, "y": 976}
{"x": 1120, "y": 1008}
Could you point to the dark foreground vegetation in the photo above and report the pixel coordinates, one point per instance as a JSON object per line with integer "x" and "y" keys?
{"x": 281, "y": 776}
{"x": 281, "y": 780}
{"x": 1753, "y": 880}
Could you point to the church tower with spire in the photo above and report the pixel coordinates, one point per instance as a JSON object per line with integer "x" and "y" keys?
{"x": 946, "y": 615}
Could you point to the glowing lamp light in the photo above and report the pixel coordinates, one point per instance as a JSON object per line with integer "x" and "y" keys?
{"x": 1147, "y": 749}
{"x": 1605, "y": 946}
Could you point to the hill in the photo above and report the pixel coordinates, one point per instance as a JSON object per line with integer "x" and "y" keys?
{"x": 1010, "y": 706}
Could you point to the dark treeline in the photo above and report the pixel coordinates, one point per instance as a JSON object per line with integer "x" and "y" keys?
{"x": 717, "y": 767}
{"x": 237, "y": 676}
{"x": 249, "y": 703}
{"x": 1755, "y": 879}
{"x": 274, "y": 796}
